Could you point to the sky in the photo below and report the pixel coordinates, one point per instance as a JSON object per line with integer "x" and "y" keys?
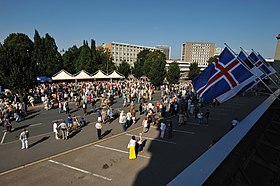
{"x": 250, "y": 24}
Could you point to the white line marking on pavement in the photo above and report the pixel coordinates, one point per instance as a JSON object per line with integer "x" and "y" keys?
{"x": 117, "y": 150}
{"x": 182, "y": 131}
{"x": 3, "y": 137}
{"x": 81, "y": 170}
{"x": 159, "y": 140}
{"x": 33, "y": 125}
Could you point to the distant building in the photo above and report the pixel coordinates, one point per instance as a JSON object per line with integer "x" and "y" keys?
{"x": 166, "y": 50}
{"x": 197, "y": 52}
{"x": 218, "y": 51}
{"x": 125, "y": 52}
{"x": 184, "y": 67}
{"x": 276, "y": 63}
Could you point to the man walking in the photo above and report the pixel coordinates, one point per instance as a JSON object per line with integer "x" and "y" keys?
{"x": 162, "y": 129}
{"x": 23, "y": 137}
{"x": 206, "y": 115}
{"x": 98, "y": 127}
{"x": 63, "y": 127}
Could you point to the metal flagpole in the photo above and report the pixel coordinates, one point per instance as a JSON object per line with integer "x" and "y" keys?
{"x": 248, "y": 68}
{"x": 259, "y": 77}
{"x": 261, "y": 69}
{"x": 270, "y": 66}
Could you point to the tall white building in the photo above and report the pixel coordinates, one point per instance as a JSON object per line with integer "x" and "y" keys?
{"x": 125, "y": 52}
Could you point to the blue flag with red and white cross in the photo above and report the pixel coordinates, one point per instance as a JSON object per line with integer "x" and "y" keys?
{"x": 224, "y": 78}
{"x": 258, "y": 63}
{"x": 272, "y": 70}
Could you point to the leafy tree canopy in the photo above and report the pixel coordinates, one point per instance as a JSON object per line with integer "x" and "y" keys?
{"x": 194, "y": 70}
{"x": 173, "y": 73}
{"x": 212, "y": 59}
{"x": 154, "y": 67}
{"x": 124, "y": 69}
{"x": 17, "y": 71}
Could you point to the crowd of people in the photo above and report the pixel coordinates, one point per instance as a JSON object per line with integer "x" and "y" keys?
{"x": 99, "y": 96}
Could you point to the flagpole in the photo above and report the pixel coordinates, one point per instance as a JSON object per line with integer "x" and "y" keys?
{"x": 261, "y": 69}
{"x": 271, "y": 66}
{"x": 257, "y": 76}
{"x": 245, "y": 65}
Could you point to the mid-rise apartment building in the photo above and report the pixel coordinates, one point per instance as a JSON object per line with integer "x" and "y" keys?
{"x": 125, "y": 52}
{"x": 197, "y": 52}
{"x": 166, "y": 50}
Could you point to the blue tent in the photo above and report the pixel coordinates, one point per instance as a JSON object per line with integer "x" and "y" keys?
{"x": 43, "y": 79}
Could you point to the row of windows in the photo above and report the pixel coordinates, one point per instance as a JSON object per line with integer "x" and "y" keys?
{"x": 120, "y": 53}
{"x": 124, "y": 59}
{"x": 199, "y": 61}
{"x": 200, "y": 56}
{"x": 200, "y": 52}
{"x": 200, "y": 44}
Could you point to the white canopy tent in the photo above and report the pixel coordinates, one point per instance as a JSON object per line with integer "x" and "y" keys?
{"x": 99, "y": 75}
{"x": 115, "y": 75}
{"x": 83, "y": 75}
{"x": 63, "y": 75}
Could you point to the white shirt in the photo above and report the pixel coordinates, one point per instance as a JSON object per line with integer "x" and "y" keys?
{"x": 234, "y": 122}
{"x": 132, "y": 142}
{"x": 162, "y": 126}
{"x": 54, "y": 127}
{"x": 98, "y": 125}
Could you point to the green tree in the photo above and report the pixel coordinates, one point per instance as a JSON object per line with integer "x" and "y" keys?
{"x": 124, "y": 69}
{"x": 137, "y": 70}
{"x": 93, "y": 51}
{"x": 38, "y": 52}
{"x": 154, "y": 67}
{"x": 212, "y": 59}
{"x": 70, "y": 58}
{"x": 17, "y": 70}
{"x": 52, "y": 62}
{"x": 173, "y": 73}
{"x": 104, "y": 61}
{"x": 84, "y": 61}
{"x": 194, "y": 70}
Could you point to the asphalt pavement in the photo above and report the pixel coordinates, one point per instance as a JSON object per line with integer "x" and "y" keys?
{"x": 85, "y": 160}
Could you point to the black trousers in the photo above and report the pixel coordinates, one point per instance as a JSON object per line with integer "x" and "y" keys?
{"x": 99, "y": 133}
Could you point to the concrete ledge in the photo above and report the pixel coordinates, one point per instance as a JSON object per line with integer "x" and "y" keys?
{"x": 199, "y": 171}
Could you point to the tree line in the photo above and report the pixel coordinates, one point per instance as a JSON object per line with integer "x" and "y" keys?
{"x": 22, "y": 59}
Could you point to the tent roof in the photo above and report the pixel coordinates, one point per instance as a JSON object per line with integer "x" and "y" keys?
{"x": 115, "y": 75}
{"x": 131, "y": 76}
{"x": 83, "y": 75}
{"x": 99, "y": 75}
{"x": 63, "y": 75}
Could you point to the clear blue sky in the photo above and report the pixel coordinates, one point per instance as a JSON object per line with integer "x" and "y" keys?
{"x": 251, "y": 24}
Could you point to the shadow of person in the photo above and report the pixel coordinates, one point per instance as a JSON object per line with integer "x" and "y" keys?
{"x": 39, "y": 141}
{"x": 106, "y": 133}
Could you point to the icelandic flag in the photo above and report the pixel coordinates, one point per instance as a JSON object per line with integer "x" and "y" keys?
{"x": 257, "y": 73}
{"x": 223, "y": 79}
{"x": 273, "y": 71}
{"x": 258, "y": 63}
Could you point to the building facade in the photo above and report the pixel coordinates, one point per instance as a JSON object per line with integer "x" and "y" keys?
{"x": 197, "y": 52}
{"x": 166, "y": 50}
{"x": 184, "y": 67}
{"x": 125, "y": 52}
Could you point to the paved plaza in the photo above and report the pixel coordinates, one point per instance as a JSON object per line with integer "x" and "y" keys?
{"x": 84, "y": 160}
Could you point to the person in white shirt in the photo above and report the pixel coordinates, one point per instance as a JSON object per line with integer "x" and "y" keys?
{"x": 234, "y": 123}
{"x": 23, "y": 137}
{"x": 98, "y": 127}
{"x": 162, "y": 129}
{"x": 55, "y": 130}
